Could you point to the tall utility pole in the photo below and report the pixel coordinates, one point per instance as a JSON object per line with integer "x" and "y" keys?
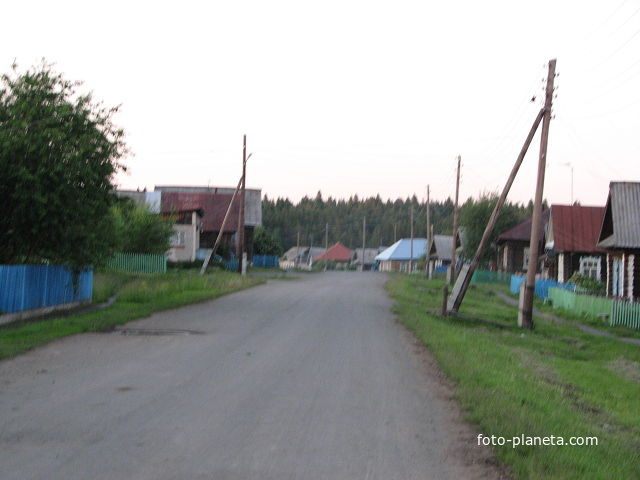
{"x": 455, "y": 227}
{"x": 242, "y": 200}
{"x": 525, "y": 314}
{"x": 428, "y": 213}
{"x": 364, "y": 238}
{"x": 428, "y": 230}
{"x": 326, "y": 245}
{"x": 297, "y": 249}
{"x": 395, "y": 233}
{"x": 411, "y": 247}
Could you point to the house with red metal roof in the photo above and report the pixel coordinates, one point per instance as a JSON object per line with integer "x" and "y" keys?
{"x": 571, "y": 242}
{"x": 513, "y": 246}
{"x": 620, "y": 237}
{"x": 213, "y": 203}
{"x": 337, "y": 255}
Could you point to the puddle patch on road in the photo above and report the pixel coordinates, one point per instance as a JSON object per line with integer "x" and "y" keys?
{"x": 155, "y": 331}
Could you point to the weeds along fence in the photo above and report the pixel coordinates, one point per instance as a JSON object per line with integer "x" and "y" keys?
{"x": 619, "y": 312}
{"x": 31, "y": 287}
{"x": 265, "y": 261}
{"x": 138, "y": 263}
{"x": 486, "y": 276}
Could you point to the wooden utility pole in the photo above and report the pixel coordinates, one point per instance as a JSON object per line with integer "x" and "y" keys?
{"x": 364, "y": 238}
{"x": 455, "y": 227}
{"x": 428, "y": 213}
{"x": 297, "y": 249}
{"x": 464, "y": 279}
{"x": 242, "y": 202}
{"x": 216, "y": 244}
{"x": 411, "y": 247}
{"x": 428, "y": 231}
{"x": 525, "y": 314}
{"x": 326, "y": 245}
{"x": 395, "y": 233}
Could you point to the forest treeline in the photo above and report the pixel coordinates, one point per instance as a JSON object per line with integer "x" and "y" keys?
{"x": 386, "y": 220}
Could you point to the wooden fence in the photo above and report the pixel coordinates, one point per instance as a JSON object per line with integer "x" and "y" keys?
{"x": 265, "y": 261}
{"x": 138, "y": 263}
{"x": 619, "y": 312}
{"x": 31, "y": 287}
{"x": 486, "y": 276}
{"x": 626, "y": 314}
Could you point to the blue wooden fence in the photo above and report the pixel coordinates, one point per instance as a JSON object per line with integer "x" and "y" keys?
{"x": 266, "y": 261}
{"x": 542, "y": 286}
{"x": 27, "y": 287}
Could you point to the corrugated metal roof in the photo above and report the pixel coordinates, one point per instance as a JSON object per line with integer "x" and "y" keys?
{"x": 621, "y": 225}
{"x": 401, "y": 250}
{"x": 337, "y": 252}
{"x": 576, "y": 228}
{"x": 214, "y": 207}
{"x": 522, "y": 231}
{"x": 253, "y": 198}
{"x": 441, "y": 247}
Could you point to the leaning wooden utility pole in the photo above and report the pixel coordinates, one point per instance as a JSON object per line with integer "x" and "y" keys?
{"x": 452, "y": 271}
{"x": 464, "y": 279}
{"x": 216, "y": 244}
{"x": 241, "y": 254}
{"x": 525, "y": 313}
{"x": 364, "y": 238}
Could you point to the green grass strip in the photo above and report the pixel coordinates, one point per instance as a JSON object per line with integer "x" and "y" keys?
{"x": 555, "y": 380}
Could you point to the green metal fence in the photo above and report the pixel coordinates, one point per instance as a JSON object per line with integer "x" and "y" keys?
{"x": 485, "y": 276}
{"x": 626, "y": 314}
{"x": 138, "y": 263}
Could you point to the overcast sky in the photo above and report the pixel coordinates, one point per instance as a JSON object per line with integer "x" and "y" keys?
{"x": 352, "y": 97}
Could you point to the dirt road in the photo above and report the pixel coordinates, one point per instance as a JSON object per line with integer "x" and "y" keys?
{"x": 304, "y": 379}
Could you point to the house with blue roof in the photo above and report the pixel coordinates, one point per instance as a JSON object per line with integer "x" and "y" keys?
{"x": 396, "y": 258}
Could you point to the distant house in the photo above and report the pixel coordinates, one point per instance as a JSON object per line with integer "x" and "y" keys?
{"x": 369, "y": 255}
{"x": 214, "y": 202}
{"x": 620, "y": 237}
{"x": 396, "y": 258}
{"x": 440, "y": 250}
{"x": 337, "y": 255}
{"x": 300, "y": 257}
{"x": 513, "y": 246}
{"x": 571, "y": 238}
{"x": 211, "y": 203}
{"x": 186, "y": 237}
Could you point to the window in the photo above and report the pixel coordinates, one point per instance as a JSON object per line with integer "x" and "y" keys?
{"x": 525, "y": 258}
{"x": 590, "y": 267}
{"x": 178, "y": 239}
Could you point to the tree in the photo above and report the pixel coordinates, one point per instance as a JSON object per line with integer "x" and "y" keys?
{"x": 266, "y": 243}
{"x": 58, "y": 153}
{"x": 474, "y": 216}
{"x": 138, "y": 230}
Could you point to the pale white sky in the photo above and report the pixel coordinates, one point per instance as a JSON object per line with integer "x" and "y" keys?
{"x": 352, "y": 97}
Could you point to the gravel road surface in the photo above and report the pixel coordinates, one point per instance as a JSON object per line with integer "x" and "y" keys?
{"x": 302, "y": 379}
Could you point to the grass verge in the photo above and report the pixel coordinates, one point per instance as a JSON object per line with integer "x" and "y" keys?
{"x": 139, "y": 296}
{"x": 555, "y": 380}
